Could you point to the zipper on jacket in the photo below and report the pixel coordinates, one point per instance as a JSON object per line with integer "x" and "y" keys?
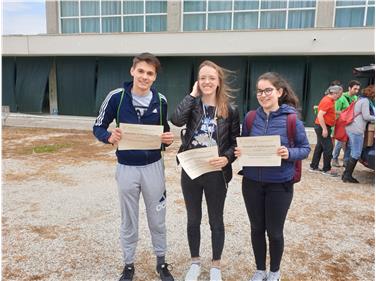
{"x": 267, "y": 124}
{"x": 218, "y": 144}
{"x": 265, "y": 131}
{"x": 139, "y": 122}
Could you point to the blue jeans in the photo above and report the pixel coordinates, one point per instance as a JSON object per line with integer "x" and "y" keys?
{"x": 356, "y": 143}
{"x": 337, "y": 150}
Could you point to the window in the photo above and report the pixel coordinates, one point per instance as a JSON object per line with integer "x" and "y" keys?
{"x": 354, "y": 13}
{"x": 247, "y": 14}
{"x": 103, "y": 16}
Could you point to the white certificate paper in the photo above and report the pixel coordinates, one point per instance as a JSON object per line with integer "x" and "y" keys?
{"x": 259, "y": 151}
{"x": 195, "y": 162}
{"x": 140, "y": 137}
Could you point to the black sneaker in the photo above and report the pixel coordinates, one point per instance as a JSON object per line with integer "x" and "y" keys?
{"x": 314, "y": 170}
{"x": 163, "y": 270}
{"x": 128, "y": 273}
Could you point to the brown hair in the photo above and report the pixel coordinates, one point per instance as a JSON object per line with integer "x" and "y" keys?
{"x": 288, "y": 95}
{"x": 369, "y": 92}
{"x": 353, "y": 83}
{"x": 223, "y": 93}
{"x": 149, "y": 59}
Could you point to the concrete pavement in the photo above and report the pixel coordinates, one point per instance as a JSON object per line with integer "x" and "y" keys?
{"x": 78, "y": 123}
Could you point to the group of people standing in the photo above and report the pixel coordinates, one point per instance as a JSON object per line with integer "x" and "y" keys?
{"x": 331, "y": 105}
{"x": 210, "y": 119}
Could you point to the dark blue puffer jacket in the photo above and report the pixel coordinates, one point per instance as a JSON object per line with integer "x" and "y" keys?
{"x": 276, "y": 124}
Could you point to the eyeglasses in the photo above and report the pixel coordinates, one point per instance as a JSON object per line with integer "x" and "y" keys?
{"x": 266, "y": 91}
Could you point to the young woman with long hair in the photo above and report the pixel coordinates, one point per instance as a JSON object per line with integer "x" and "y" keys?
{"x": 210, "y": 119}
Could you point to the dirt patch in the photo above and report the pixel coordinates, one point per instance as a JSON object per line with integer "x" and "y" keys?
{"x": 61, "y": 217}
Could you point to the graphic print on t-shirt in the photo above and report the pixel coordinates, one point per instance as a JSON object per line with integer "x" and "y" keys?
{"x": 141, "y": 103}
{"x": 205, "y": 135}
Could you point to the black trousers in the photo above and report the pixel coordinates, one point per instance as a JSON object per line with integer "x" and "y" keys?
{"x": 214, "y": 187}
{"x": 267, "y": 205}
{"x": 323, "y": 146}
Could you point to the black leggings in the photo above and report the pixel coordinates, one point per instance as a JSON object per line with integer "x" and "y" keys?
{"x": 267, "y": 205}
{"x": 214, "y": 187}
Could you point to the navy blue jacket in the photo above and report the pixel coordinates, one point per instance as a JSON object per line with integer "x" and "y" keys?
{"x": 276, "y": 124}
{"x": 128, "y": 114}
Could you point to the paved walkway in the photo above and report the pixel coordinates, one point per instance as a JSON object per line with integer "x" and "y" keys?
{"x": 78, "y": 122}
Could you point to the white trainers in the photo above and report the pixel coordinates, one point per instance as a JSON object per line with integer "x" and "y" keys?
{"x": 274, "y": 276}
{"x": 193, "y": 272}
{"x": 259, "y": 275}
{"x": 215, "y": 274}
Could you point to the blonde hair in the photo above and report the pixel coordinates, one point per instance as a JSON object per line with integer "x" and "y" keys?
{"x": 224, "y": 92}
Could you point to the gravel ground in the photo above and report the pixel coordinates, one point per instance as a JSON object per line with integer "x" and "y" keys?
{"x": 60, "y": 218}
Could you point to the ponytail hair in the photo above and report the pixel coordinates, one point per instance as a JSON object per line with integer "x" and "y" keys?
{"x": 288, "y": 95}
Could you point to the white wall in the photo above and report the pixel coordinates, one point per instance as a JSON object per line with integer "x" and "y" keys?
{"x": 359, "y": 41}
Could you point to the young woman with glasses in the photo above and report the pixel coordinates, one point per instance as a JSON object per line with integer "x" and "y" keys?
{"x": 268, "y": 191}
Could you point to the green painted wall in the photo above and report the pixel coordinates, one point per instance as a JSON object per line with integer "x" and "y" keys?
{"x": 84, "y": 82}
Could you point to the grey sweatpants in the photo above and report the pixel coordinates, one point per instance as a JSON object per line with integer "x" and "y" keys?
{"x": 150, "y": 181}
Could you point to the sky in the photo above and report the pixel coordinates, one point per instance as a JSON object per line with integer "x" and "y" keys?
{"x": 23, "y": 17}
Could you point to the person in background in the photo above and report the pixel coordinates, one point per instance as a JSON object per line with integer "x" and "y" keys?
{"x": 211, "y": 120}
{"x": 341, "y": 104}
{"x": 268, "y": 191}
{"x": 325, "y": 121}
{"x": 333, "y": 83}
{"x": 364, "y": 112}
{"x": 139, "y": 171}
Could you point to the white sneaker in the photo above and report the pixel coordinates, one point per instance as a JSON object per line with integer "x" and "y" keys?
{"x": 274, "y": 276}
{"x": 259, "y": 275}
{"x": 215, "y": 274}
{"x": 193, "y": 272}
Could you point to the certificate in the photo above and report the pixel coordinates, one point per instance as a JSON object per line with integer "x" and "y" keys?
{"x": 140, "y": 137}
{"x": 259, "y": 151}
{"x": 195, "y": 162}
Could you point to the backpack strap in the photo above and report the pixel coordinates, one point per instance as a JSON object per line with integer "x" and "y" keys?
{"x": 160, "y": 108}
{"x": 118, "y": 109}
{"x": 291, "y": 128}
{"x": 291, "y": 132}
{"x": 249, "y": 120}
{"x": 349, "y": 100}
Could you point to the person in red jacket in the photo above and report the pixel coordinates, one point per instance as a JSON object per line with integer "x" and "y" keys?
{"x": 325, "y": 121}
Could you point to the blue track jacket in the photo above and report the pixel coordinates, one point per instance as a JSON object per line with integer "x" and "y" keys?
{"x": 127, "y": 114}
{"x": 276, "y": 124}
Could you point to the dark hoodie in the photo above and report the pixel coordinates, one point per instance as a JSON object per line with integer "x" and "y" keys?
{"x": 127, "y": 114}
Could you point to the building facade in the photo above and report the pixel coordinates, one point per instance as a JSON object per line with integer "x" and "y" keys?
{"x": 89, "y": 45}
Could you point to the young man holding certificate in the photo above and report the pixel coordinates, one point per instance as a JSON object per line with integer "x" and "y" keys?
{"x": 211, "y": 122}
{"x": 138, "y": 170}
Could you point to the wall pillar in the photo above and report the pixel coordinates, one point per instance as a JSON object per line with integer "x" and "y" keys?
{"x": 173, "y": 16}
{"x": 52, "y": 17}
{"x": 52, "y": 82}
{"x": 325, "y": 13}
